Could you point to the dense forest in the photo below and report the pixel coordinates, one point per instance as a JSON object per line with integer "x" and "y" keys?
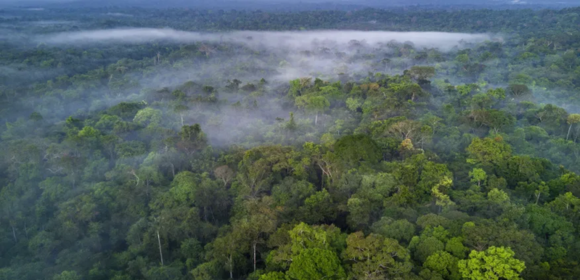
{"x": 403, "y": 143}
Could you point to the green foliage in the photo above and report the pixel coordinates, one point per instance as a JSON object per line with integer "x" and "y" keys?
{"x": 488, "y": 151}
{"x": 444, "y": 264}
{"x": 67, "y": 275}
{"x": 375, "y": 257}
{"x": 316, "y": 263}
{"x": 114, "y": 165}
{"x": 401, "y": 230}
{"x": 356, "y": 148}
{"x": 494, "y": 263}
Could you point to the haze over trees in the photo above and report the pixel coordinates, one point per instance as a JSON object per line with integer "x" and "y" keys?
{"x": 235, "y": 157}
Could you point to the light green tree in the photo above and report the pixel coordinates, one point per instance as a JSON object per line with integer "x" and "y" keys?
{"x": 488, "y": 151}
{"x": 148, "y": 116}
{"x": 276, "y": 275}
{"x": 438, "y": 191}
{"x": 498, "y": 197}
{"x": 492, "y": 264}
{"x": 477, "y": 175}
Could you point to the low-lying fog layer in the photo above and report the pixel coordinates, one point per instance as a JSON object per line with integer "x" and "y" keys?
{"x": 248, "y": 56}
{"x": 284, "y": 40}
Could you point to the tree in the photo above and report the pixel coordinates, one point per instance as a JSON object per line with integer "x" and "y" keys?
{"x": 425, "y": 247}
{"x": 224, "y": 173}
{"x": 462, "y": 58}
{"x": 316, "y": 263}
{"x": 422, "y": 72}
{"x": 298, "y": 86}
{"x": 487, "y": 233}
{"x": 301, "y": 238}
{"x": 433, "y": 221}
{"x": 401, "y": 230}
{"x": 406, "y": 91}
{"x": 359, "y": 212}
{"x": 276, "y": 275}
{"x": 227, "y": 249}
{"x": 456, "y": 248}
{"x": 542, "y": 189}
{"x": 191, "y": 139}
{"x": 191, "y": 249}
{"x": 552, "y": 118}
{"x": 443, "y": 263}
{"x": 572, "y": 119}
{"x": 319, "y": 207}
{"x": 492, "y": 264}
{"x": 488, "y": 151}
{"x": 258, "y": 222}
{"x": 290, "y": 195}
{"x": 431, "y": 240}
{"x": 438, "y": 191}
{"x": 518, "y": 90}
{"x": 259, "y": 166}
{"x": 567, "y": 205}
{"x": 148, "y": 117}
{"x": 375, "y": 257}
{"x": 234, "y": 85}
{"x": 67, "y": 275}
{"x": 477, "y": 175}
{"x": 406, "y": 129}
{"x": 313, "y": 103}
{"x": 498, "y": 197}
{"x": 206, "y": 271}
{"x": 355, "y": 148}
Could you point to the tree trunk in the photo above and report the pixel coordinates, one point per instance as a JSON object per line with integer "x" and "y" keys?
{"x": 160, "y": 251}
{"x": 538, "y": 198}
{"x": 568, "y": 135}
{"x": 254, "y": 245}
{"x": 316, "y": 119}
{"x": 14, "y": 233}
{"x": 136, "y": 177}
{"x": 231, "y": 267}
{"x": 211, "y": 212}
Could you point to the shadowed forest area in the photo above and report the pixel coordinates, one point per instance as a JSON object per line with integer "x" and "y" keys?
{"x": 399, "y": 143}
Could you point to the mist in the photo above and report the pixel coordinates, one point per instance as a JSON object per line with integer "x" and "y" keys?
{"x": 277, "y": 57}
{"x": 274, "y": 40}
{"x": 249, "y": 56}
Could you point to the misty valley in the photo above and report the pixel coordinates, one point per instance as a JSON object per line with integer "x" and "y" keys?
{"x": 408, "y": 142}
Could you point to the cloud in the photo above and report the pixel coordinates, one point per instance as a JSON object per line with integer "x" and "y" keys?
{"x": 273, "y": 40}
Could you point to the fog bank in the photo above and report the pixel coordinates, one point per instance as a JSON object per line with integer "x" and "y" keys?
{"x": 294, "y": 40}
